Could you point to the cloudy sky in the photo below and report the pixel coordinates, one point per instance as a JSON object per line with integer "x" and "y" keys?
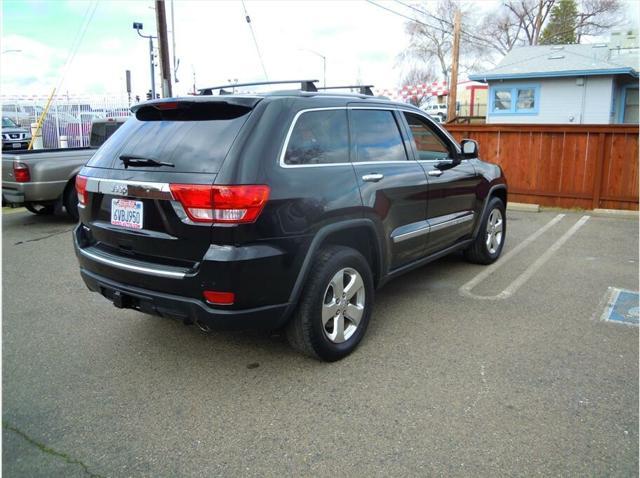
{"x": 359, "y": 41}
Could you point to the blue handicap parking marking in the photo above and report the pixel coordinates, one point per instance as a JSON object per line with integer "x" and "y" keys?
{"x": 623, "y": 307}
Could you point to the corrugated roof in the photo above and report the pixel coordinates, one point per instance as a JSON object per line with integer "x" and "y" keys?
{"x": 563, "y": 60}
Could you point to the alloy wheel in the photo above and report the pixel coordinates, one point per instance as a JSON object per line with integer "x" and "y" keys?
{"x": 494, "y": 231}
{"x": 343, "y": 305}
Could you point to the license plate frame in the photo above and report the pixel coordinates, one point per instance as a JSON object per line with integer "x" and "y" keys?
{"x": 127, "y": 213}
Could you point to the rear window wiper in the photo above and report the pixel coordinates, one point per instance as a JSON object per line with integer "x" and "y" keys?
{"x": 138, "y": 161}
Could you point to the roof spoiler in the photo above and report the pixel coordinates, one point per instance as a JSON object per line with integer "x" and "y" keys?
{"x": 305, "y": 85}
{"x": 364, "y": 89}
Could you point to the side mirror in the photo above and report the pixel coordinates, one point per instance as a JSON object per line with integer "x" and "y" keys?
{"x": 469, "y": 149}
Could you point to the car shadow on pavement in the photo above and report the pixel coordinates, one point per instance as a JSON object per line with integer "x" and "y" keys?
{"x": 224, "y": 346}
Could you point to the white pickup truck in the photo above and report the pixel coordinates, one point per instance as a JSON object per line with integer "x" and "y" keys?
{"x": 44, "y": 180}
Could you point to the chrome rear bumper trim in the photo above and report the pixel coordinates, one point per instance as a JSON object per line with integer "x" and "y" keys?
{"x": 132, "y": 267}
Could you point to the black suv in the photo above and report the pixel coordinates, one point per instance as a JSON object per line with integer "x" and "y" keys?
{"x": 285, "y": 209}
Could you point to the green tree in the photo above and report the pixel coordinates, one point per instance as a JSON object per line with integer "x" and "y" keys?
{"x": 563, "y": 24}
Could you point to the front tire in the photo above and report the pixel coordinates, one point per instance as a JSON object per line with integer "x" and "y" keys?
{"x": 488, "y": 244}
{"x": 335, "y": 306}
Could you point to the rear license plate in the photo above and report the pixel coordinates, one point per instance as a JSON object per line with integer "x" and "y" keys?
{"x": 126, "y": 213}
{"x": 16, "y": 145}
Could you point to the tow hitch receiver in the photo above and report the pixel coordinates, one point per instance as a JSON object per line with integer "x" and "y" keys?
{"x": 120, "y": 300}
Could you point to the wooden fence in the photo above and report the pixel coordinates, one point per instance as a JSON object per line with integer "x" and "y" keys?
{"x": 568, "y": 166}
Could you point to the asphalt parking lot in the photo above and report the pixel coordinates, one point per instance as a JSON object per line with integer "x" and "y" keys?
{"x": 512, "y": 372}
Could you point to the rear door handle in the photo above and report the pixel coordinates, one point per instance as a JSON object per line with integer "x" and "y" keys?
{"x": 373, "y": 177}
{"x": 435, "y": 172}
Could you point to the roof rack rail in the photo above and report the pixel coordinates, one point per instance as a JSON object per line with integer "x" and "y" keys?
{"x": 305, "y": 85}
{"x": 364, "y": 89}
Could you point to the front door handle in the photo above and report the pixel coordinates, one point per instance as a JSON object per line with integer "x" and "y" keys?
{"x": 373, "y": 177}
{"x": 435, "y": 172}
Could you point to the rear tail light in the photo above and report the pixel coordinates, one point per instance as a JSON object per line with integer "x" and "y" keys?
{"x": 21, "y": 172}
{"x": 81, "y": 188}
{"x": 221, "y": 204}
{"x": 219, "y": 298}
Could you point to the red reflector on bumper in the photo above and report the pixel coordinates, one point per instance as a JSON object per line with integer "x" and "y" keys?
{"x": 219, "y": 298}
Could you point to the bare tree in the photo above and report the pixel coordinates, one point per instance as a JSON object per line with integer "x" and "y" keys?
{"x": 520, "y": 22}
{"x": 431, "y": 38}
{"x": 501, "y": 31}
{"x": 417, "y": 76}
{"x": 530, "y": 15}
{"x": 598, "y": 16}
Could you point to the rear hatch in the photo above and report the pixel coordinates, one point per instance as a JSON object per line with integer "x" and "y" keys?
{"x": 134, "y": 182}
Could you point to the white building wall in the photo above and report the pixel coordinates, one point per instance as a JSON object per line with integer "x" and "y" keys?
{"x": 563, "y": 100}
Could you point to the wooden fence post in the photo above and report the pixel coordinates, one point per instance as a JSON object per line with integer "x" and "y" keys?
{"x": 597, "y": 180}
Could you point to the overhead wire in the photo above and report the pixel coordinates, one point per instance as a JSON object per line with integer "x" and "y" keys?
{"x": 434, "y": 27}
{"x": 86, "y": 21}
{"x": 255, "y": 41}
{"x": 443, "y": 20}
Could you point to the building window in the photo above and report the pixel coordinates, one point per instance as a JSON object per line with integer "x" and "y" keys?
{"x": 630, "y": 106}
{"x": 514, "y": 100}
{"x": 502, "y": 100}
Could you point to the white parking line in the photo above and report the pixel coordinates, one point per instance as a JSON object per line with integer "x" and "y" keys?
{"x": 533, "y": 268}
{"x": 465, "y": 290}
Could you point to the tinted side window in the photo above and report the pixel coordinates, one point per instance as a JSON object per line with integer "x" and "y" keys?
{"x": 376, "y": 136}
{"x": 319, "y": 137}
{"x": 427, "y": 143}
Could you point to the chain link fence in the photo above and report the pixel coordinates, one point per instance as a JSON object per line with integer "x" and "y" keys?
{"x": 68, "y": 118}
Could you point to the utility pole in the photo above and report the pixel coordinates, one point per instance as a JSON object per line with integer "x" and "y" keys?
{"x": 173, "y": 45}
{"x": 453, "y": 84}
{"x": 163, "y": 49}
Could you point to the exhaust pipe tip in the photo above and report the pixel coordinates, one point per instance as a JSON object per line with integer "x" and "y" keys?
{"x": 202, "y": 326}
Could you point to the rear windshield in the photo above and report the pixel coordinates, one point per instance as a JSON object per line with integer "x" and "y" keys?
{"x": 100, "y": 132}
{"x": 194, "y": 140}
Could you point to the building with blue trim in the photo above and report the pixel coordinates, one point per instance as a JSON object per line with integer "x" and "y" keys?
{"x": 555, "y": 84}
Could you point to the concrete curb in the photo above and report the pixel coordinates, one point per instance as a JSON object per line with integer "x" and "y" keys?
{"x": 615, "y": 213}
{"x": 519, "y": 206}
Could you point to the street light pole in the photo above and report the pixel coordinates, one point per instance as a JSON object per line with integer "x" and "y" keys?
{"x": 324, "y": 65}
{"x": 137, "y": 27}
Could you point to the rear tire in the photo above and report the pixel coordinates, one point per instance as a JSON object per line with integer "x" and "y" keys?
{"x": 335, "y": 306}
{"x": 71, "y": 201}
{"x": 487, "y": 246}
{"x": 40, "y": 209}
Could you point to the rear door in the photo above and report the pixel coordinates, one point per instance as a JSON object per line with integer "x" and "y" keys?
{"x": 393, "y": 186}
{"x": 452, "y": 183}
{"x": 134, "y": 179}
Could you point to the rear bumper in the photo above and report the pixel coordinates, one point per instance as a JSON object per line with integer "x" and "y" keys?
{"x": 261, "y": 301}
{"x": 184, "y": 308}
{"x": 12, "y": 196}
{"x": 36, "y": 192}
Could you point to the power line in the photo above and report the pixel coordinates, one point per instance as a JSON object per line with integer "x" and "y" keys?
{"x": 255, "y": 42}
{"x": 464, "y": 33}
{"x": 88, "y": 17}
{"x": 442, "y": 20}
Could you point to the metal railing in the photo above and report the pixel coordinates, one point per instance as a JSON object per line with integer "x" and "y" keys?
{"x": 68, "y": 121}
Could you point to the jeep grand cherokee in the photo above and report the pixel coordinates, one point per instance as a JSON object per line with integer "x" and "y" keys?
{"x": 286, "y": 209}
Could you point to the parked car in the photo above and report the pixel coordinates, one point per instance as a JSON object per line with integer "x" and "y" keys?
{"x": 22, "y": 115}
{"x": 43, "y": 180}
{"x": 279, "y": 210}
{"x": 13, "y": 136}
{"x": 437, "y": 110}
